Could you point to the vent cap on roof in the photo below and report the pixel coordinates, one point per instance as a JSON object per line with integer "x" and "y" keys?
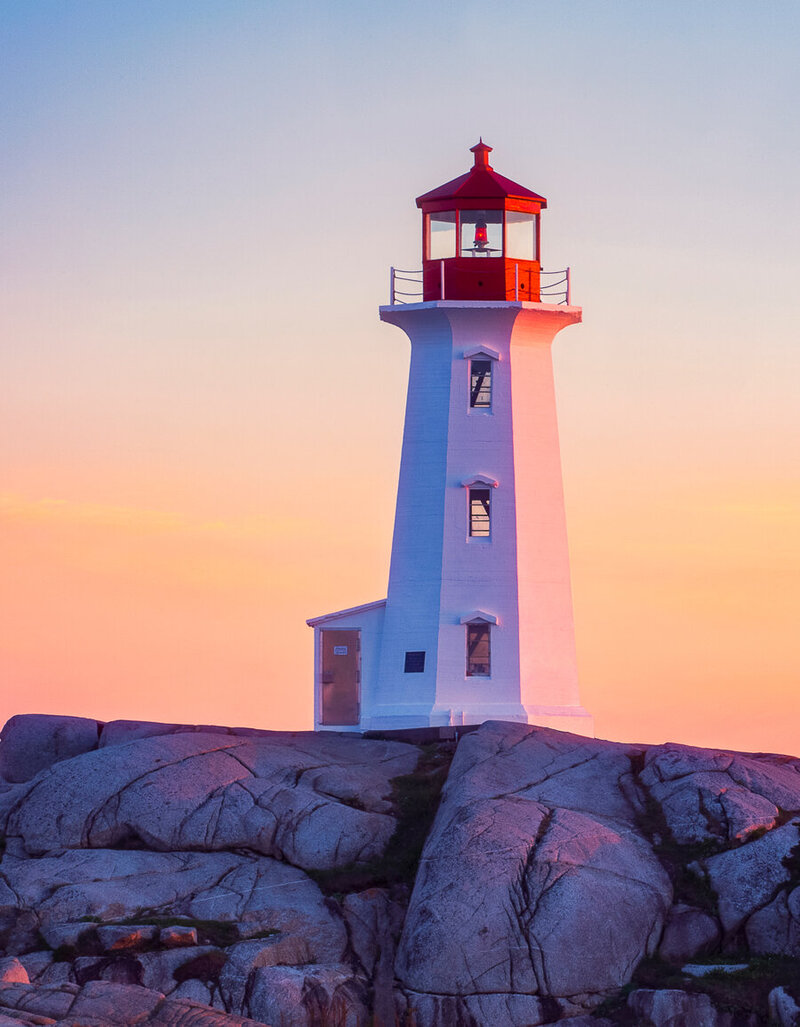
{"x": 481, "y": 182}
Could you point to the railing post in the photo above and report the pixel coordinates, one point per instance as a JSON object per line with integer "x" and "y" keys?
{"x": 567, "y": 286}
{"x": 391, "y": 286}
{"x": 441, "y": 278}
{"x": 516, "y": 283}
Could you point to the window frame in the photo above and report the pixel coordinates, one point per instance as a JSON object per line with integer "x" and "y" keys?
{"x": 509, "y": 240}
{"x": 484, "y": 483}
{"x": 475, "y": 536}
{"x": 481, "y": 359}
{"x": 502, "y": 252}
{"x": 481, "y": 353}
{"x": 485, "y": 630}
{"x": 428, "y": 233}
{"x": 414, "y": 653}
{"x": 492, "y": 253}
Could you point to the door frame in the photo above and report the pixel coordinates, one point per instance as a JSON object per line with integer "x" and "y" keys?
{"x": 320, "y": 671}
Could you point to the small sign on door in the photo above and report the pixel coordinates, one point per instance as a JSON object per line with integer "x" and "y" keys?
{"x": 340, "y": 650}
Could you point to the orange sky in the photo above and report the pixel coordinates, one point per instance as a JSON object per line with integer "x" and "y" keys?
{"x": 686, "y": 611}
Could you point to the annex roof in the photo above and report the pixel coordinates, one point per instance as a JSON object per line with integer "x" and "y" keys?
{"x": 313, "y": 621}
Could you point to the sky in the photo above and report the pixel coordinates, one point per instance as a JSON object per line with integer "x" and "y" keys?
{"x": 201, "y": 413}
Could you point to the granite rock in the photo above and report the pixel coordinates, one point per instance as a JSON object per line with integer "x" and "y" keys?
{"x": 114, "y": 885}
{"x": 708, "y": 794}
{"x": 317, "y": 802}
{"x": 424, "y": 1010}
{"x": 374, "y": 923}
{"x": 177, "y": 936}
{"x": 519, "y": 893}
{"x": 244, "y": 958}
{"x": 36, "y": 963}
{"x": 775, "y": 928}
{"x": 118, "y": 938}
{"x": 308, "y": 996}
{"x": 745, "y": 879}
{"x": 31, "y": 742}
{"x": 12, "y": 971}
{"x": 160, "y": 971}
{"x": 540, "y": 889}
{"x": 783, "y": 1009}
{"x": 674, "y": 1008}
{"x": 105, "y": 1004}
{"x": 688, "y": 932}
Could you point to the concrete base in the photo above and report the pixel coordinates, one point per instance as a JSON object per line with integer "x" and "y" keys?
{"x": 563, "y": 718}
{"x": 574, "y": 719}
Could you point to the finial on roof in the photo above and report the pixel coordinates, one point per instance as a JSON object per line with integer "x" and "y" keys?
{"x": 481, "y": 151}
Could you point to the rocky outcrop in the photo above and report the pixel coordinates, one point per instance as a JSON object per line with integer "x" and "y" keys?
{"x": 204, "y": 839}
{"x": 30, "y": 743}
{"x": 671, "y": 1007}
{"x": 181, "y": 875}
{"x": 783, "y": 1009}
{"x": 75, "y": 889}
{"x": 103, "y": 1004}
{"x": 312, "y": 803}
{"x": 747, "y": 879}
{"x": 775, "y": 928}
{"x": 718, "y": 795}
{"x": 534, "y": 880}
{"x": 689, "y": 932}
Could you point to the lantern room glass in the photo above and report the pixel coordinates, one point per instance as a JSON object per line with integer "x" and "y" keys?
{"x": 441, "y": 235}
{"x": 520, "y": 235}
{"x": 481, "y": 233}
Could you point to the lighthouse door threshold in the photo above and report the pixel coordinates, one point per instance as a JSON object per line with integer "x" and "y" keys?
{"x": 340, "y": 677}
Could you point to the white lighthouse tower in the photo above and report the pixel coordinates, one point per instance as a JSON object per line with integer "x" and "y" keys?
{"x": 477, "y": 623}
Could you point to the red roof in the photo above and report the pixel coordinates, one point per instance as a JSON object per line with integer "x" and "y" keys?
{"x": 481, "y": 182}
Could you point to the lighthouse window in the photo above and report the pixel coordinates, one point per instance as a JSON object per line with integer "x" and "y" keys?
{"x": 520, "y": 235}
{"x": 415, "y": 662}
{"x": 478, "y": 651}
{"x": 481, "y": 233}
{"x": 441, "y": 235}
{"x": 480, "y": 384}
{"x": 479, "y": 520}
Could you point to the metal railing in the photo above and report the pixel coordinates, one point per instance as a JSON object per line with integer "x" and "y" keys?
{"x": 406, "y": 286}
{"x": 554, "y": 287}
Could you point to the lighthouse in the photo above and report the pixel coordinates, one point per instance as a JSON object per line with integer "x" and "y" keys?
{"x": 477, "y": 623}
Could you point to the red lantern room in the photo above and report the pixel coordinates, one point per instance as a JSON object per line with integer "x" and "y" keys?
{"x": 480, "y": 237}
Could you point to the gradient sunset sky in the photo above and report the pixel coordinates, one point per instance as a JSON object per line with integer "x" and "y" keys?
{"x": 201, "y": 414}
